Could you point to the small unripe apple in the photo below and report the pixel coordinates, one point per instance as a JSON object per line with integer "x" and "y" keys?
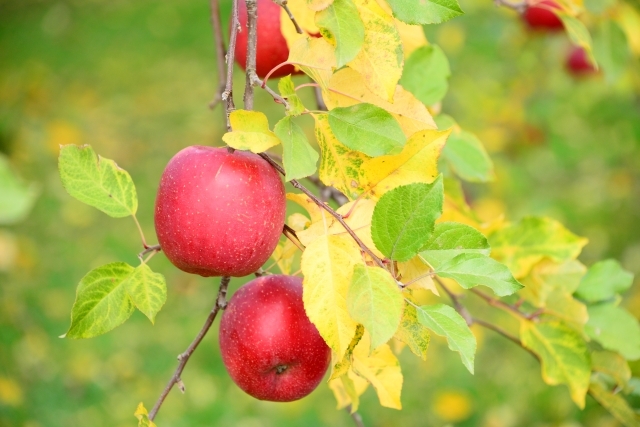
{"x": 268, "y": 345}
{"x": 271, "y": 48}
{"x": 219, "y": 213}
{"x": 578, "y": 62}
{"x": 539, "y": 16}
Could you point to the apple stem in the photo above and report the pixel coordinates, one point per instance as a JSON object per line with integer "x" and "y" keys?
{"x": 183, "y": 358}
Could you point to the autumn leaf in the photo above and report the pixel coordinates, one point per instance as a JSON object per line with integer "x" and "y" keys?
{"x": 250, "y": 132}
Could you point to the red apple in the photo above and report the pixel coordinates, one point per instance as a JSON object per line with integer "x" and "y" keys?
{"x": 268, "y": 345}
{"x": 539, "y": 16}
{"x": 272, "y": 48}
{"x": 578, "y": 62}
{"x": 219, "y": 213}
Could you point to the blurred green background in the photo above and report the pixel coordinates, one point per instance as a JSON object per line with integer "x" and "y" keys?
{"x": 133, "y": 79}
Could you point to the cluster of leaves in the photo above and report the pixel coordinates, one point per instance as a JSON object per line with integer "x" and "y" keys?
{"x": 400, "y": 169}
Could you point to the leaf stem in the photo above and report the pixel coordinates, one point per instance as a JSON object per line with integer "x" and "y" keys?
{"x": 144, "y": 241}
{"x": 183, "y": 358}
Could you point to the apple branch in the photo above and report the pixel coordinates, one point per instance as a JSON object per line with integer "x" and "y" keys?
{"x": 252, "y": 49}
{"x": 183, "y": 358}
{"x": 327, "y": 208}
{"x": 218, "y": 40}
{"x": 227, "y": 95}
{"x": 357, "y": 419}
{"x": 283, "y": 4}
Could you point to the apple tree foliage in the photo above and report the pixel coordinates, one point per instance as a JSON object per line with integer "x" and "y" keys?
{"x": 384, "y": 144}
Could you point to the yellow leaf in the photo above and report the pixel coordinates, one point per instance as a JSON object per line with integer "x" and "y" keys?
{"x": 298, "y": 222}
{"x": 315, "y": 211}
{"x": 413, "y": 333}
{"x": 318, "y": 5}
{"x": 143, "y": 416}
{"x": 418, "y": 162}
{"x": 359, "y": 220}
{"x": 250, "y": 132}
{"x": 315, "y": 57}
{"x": 416, "y": 273}
{"x": 412, "y": 37}
{"x": 327, "y": 266}
{"x": 342, "y": 366}
{"x": 381, "y": 369}
{"x": 380, "y": 60}
{"x": 347, "y": 87}
{"x": 629, "y": 19}
{"x": 347, "y": 390}
{"x": 283, "y": 255}
{"x": 305, "y": 17}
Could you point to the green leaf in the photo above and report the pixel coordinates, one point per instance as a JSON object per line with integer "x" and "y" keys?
{"x": 563, "y": 355}
{"x": 413, "y": 333}
{"x": 102, "y": 302}
{"x": 375, "y": 300}
{"x": 404, "y": 218}
{"x": 426, "y": 74}
{"x": 613, "y": 365}
{"x": 578, "y": 34}
{"x": 97, "y": 181}
{"x": 148, "y": 290}
{"x": 288, "y": 91}
{"x": 603, "y": 281}
{"x": 468, "y": 158}
{"x": 450, "y": 239}
{"x": 250, "y": 132}
{"x": 298, "y": 156}
{"x": 425, "y": 11}
{"x": 473, "y": 269}
{"x": 368, "y": 129}
{"x": 16, "y": 197}
{"x": 446, "y": 322}
{"x": 522, "y": 245}
{"x": 611, "y": 49}
{"x": 548, "y": 278}
{"x": 615, "y": 404}
{"x": 615, "y": 328}
{"x": 340, "y": 24}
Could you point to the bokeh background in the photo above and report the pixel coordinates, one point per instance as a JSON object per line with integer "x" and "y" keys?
{"x": 133, "y": 79}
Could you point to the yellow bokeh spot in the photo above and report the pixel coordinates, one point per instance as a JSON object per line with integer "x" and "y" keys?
{"x": 489, "y": 209}
{"x": 60, "y": 132}
{"x": 10, "y": 392}
{"x": 452, "y": 406}
{"x": 494, "y": 138}
{"x": 451, "y": 37}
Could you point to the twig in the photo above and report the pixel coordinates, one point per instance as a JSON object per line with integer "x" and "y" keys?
{"x": 498, "y": 329}
{"x": 327, "y": 208}
{"x": 227, "y": 95}
{"x": 460, "y": 308}
{"x": 328, "y": 192}
{"x": 519, "y": 7}
{"x": 290, "y": 234}
{"x": 357, "y": 419}
{"x": 319, "y": 99}
{"x": 183, "y": 358}
{"x": 148, "y": 249}
{"x": 283, "y": 4}
{"x": 252, "y": 45}
{"x": 501, "y": 304}
{"x": 144, "y": 241}
{"x": 220, "y": 51}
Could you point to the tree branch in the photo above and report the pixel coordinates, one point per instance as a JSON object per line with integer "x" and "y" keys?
{"x": 252, "y": 48}
{"x": 283, "y": 4}
{"x": 328, "y": 192}
{"x": 519, "y": 6}
{"x": 501, "y": 304}
{"x": 227, "y": 95}
{"x": 327, "y": 208}
{"x": 357, "y": 419}
{"x": 221, "y": 52}
{"x": 183, "y": 358}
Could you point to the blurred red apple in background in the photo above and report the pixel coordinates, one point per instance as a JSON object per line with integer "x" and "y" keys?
{"x": 219, "y": 213}
{"x": 539, "y": 16}
{"x": 578, "y": 62}
{"x": 268, "y": 345}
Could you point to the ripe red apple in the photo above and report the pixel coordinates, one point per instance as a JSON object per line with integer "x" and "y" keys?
{"x": 219, "y": 213}
{"x": 539, "y": 16}
{"x": 268, "y": 345}
{"x": 578, "y": 62}
{"x": 272, "y": 48}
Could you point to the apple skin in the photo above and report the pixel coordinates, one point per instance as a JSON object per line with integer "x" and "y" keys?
{"x": 268, "y": 345}
{"x": 272, "y": 47}
{"x": 539, "y": 17}
{"x": 578, "y": 63}
{"x": 219, "y": 213}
